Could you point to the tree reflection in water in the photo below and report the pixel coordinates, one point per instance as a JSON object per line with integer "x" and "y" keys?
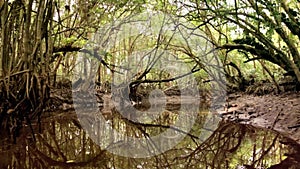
{"x": 64, "y": 144}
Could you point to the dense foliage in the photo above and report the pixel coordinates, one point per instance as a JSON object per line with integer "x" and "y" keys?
{"x": 40, "y": 41}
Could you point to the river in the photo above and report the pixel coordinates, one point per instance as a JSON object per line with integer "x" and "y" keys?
{"x": 173, "y": 139}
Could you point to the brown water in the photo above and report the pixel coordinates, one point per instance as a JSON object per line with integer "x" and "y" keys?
{"x": 211, "y": 143}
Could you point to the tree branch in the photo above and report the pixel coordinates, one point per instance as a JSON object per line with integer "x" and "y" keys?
{"x": 66, "y": 48}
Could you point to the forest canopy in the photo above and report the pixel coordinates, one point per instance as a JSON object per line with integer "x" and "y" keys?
{"x": 40, "y": 41}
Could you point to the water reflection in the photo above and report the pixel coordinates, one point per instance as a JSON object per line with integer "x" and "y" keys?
{"x": 64, "y": 144}
{"x": 139, "y": 134}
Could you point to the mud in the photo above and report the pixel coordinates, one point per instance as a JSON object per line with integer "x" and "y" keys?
{"x": 279, "y": 112}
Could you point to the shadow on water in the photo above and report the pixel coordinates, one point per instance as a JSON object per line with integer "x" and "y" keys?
{"x": 63, "y": 143}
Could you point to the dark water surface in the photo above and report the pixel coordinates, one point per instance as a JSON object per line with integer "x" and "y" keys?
{"x": 211, "y": 143}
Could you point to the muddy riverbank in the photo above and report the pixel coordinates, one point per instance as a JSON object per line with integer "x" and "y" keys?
{"x": 280, "y": 112}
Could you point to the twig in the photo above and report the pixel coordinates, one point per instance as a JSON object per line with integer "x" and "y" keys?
{"x": 275, "y": 119}
{"x": 295, "y": 126}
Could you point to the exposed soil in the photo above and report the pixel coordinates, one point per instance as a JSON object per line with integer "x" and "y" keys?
{"x": 278, "y": 112}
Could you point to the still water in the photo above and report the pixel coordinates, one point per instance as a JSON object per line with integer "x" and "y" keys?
{"x": 206, "y": 141}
